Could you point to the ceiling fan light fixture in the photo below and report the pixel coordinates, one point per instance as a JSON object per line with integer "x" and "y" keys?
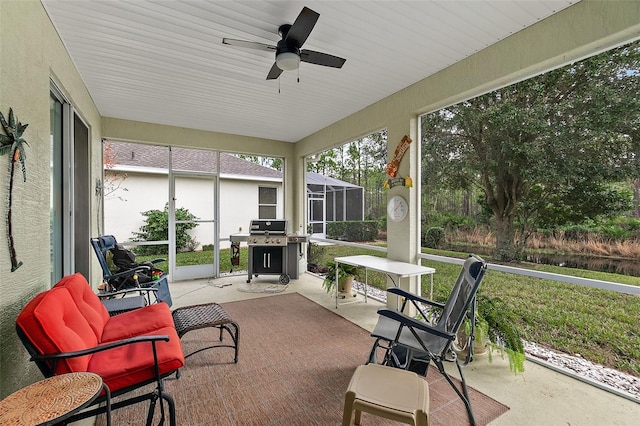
{"x": 288, "y": 61}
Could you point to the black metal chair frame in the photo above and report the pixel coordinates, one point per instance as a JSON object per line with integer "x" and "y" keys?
{"x": 411, "y": 332}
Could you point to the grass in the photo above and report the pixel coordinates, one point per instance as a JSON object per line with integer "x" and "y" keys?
{"x": 600, "y": 325}
{"x": 201, "y": 258}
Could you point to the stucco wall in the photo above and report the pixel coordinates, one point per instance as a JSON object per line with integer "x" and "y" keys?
{"x": 123, "y": 207}
{"x": 238, "y": 204}
{"x": 32, "y": 54}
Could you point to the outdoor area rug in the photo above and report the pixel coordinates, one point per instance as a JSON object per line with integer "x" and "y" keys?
{"x": 258, "y": 287}
{"x": 295, "y": 362}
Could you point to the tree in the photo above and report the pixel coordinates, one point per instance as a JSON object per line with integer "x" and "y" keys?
{"x": 271, "y": 162}
{"x": 545, "y": 149}
{"x": 360, "y": 162}
{"x": 113, "y": 181}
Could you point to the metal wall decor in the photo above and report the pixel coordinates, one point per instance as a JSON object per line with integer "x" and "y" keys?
{"x": 13, "y": 143}
{"x": 394, "y": 165}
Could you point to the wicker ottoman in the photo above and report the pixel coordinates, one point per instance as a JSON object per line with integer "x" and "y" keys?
{"x": 207, "y": 315}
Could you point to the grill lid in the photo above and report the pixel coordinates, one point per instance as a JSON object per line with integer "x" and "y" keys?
{"x": 268, "y": 227}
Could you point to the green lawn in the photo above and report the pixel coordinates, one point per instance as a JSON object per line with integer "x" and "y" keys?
{"x": 201, "y": 258}
{"x": 600, "y": 325}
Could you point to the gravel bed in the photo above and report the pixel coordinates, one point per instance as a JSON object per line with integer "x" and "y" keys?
{"x": 617, "y": 380}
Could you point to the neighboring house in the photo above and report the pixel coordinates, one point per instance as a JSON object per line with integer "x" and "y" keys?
{"x": 332, "y": 200}
{"x": 137, "y": 180}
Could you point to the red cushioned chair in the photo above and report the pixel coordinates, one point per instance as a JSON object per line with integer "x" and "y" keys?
{"x": 67, "y": 329}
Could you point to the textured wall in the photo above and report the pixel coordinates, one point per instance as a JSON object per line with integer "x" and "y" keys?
{"x": 31, "y": 55}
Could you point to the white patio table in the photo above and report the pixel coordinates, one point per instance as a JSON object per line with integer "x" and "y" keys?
{"x": 393, "y": 269}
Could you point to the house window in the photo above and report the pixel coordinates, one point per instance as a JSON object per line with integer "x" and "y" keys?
{"x": 267, "y": 202}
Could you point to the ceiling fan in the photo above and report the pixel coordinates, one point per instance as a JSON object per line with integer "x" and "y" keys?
{"x": 288, "y": 50}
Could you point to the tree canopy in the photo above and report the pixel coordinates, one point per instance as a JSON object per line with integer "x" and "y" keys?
{"x": 360, "y": 162}
{"x": 546, "y": 150}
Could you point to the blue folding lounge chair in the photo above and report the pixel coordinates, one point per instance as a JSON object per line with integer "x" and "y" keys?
{"x": 156, "y": 290}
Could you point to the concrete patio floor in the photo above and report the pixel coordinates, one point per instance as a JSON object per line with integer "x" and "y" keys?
{"x": 540, "y": 396}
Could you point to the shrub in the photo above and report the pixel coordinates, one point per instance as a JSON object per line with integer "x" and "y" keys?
{"x": 365, "y": 230}
{"x": 432, "y": 218}
{"x": 613, "y": 233}
{"x": 434, "y": 237}
{"x": 577, "y": 232}
{"x": 315, "y": 252}
{"x": 156, "y": 228}
{"x": 448, "y": 221}
{"x": 457, "y": 221}
{"x": 191, "y": 245}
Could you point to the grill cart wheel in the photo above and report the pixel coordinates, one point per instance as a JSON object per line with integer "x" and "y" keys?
{"x": 284, "y": 279}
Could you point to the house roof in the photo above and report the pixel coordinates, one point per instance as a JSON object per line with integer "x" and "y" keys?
{"x": 124, "y": 155}
{"x": 321, "y": 180}
{"x": 127, "y": 155}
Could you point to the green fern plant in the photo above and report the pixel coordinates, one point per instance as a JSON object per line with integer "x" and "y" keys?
{"x": 501, "y": 327}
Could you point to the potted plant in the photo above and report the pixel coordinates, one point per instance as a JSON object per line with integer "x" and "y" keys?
{"x": 346, "y": 274}
{"x": 496, "y": 328}
{"x": 480, "y": 338}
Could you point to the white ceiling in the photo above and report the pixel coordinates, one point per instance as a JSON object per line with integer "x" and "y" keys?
{"x": 164, "y": 61}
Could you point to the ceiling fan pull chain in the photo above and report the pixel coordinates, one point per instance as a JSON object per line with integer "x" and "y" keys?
{"x": 278, "y": 86}
{"x": 298, "y": 75}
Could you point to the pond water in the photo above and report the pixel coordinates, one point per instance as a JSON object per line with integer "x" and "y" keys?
{"x": 592, "y": 263}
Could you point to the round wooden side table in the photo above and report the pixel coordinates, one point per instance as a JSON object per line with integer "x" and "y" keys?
{"x": 52, "y": 400}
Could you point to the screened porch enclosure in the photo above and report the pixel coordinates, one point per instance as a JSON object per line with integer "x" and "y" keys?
{"x": 331, "y": 200}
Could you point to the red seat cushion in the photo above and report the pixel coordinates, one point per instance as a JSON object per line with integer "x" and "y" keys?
{"x": 131, "y": 364}
{"x": 137, "y": 322}
{"x": 123, "y": 326}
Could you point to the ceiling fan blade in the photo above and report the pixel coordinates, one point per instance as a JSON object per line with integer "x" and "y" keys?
{"x": 320, "y": 58}
{"x": 302, "y": 27}
{"x": 274, "y": 72}
{"x": 248, "y": 44}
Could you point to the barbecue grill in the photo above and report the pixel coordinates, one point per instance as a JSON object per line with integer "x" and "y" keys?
{"x": 272, "y": 251}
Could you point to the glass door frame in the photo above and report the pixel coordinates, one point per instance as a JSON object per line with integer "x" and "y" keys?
{"x": 197, "y": 271}
{"x": 70, "y": 187}
{"x": 312, "y": 199}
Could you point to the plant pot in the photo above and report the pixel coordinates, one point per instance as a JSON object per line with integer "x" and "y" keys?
{"x": 345, "y": 287}
{"x": 461, "y": 344}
